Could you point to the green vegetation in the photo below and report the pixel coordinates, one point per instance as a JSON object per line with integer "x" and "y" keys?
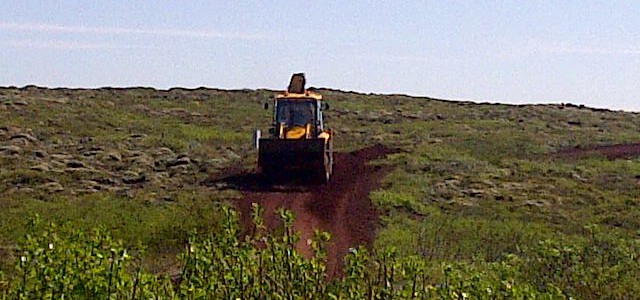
{"x": 475, "y": 200}
{"x": 60, "y": 262}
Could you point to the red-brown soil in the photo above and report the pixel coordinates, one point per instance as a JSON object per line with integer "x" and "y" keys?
{"x": 341, "y": 207}
{"x": 608, "y": 151}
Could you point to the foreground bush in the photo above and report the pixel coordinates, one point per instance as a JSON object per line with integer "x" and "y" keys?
{"x": 60, "y": 262}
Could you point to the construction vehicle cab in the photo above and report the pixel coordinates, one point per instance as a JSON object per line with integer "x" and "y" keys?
{"x": 297, "y": 141}
{"x": 298, "y": 116}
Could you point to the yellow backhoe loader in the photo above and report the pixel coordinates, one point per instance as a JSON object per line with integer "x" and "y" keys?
{"x": 298, "y": 143}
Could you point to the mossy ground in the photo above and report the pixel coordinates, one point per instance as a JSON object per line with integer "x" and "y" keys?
{"x": 472, "y": 182}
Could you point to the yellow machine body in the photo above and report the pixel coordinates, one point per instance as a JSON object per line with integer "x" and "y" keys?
{"x": 298, "y": 142}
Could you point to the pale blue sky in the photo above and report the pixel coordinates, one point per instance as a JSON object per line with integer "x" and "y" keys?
{"x": 584, "y": 52}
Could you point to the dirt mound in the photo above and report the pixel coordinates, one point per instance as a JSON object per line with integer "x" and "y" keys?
{"x": 608, "y": 151}
{"x": 341, "y": 207}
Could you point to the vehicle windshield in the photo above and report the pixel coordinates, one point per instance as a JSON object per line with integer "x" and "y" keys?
{"x": 295, "y": 112}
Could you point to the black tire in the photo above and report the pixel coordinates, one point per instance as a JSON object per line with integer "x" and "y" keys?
{"x": 323, "y": 176}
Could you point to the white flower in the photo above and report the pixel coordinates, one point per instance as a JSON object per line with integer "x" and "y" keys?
{"x": 50, "y": 246}
{"x": 23, "y": 258}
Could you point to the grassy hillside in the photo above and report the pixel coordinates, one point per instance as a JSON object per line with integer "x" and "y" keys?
{"x": 473, "y": 183}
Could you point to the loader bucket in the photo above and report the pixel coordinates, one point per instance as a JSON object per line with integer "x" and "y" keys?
{"x": 306, "y": 159}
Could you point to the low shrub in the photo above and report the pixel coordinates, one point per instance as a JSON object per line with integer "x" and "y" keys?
{"x": 57, "y": 262}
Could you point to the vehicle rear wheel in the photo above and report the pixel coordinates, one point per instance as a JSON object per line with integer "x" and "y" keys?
{"x": 328, "y": 165}
{"x": 323, "y": 176}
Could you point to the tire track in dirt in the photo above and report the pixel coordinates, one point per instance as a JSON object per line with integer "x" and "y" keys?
{"x": 631, "y": 150}
{"x": 341, "y": 207}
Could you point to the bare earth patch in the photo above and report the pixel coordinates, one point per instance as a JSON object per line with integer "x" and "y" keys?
{"x": 609, "y": 151}
{"x": 342, "y": 207}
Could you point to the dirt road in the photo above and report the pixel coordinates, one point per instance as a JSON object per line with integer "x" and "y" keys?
{"x": 608, "y": 151}
{"x": 341, "y": 208}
